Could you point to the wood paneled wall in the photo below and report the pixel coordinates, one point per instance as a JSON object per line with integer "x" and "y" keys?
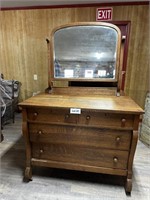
{"x": 23, "y": 49}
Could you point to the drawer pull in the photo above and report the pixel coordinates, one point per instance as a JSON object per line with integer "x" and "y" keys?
{"x": 88, "y": 117}
{"x": 40, "y": 132}
{"x": 123, "y": 122}
{"x": 115, "y": 159}
{"x": 35, "y": 114}
{"x": 67, "y": 116}
{"x": 41, "y": 151}
{"x": 117, "y": 139}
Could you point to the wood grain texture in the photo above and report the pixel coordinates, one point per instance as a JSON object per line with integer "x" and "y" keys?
{"x": 72, "y": 135}
{"x": 77, "y": 154}
{"x": 107, "y": 114}
{"x": 64, "y": 184}
{"x": 114, "y": 104}
{"x": 24, "y": 51}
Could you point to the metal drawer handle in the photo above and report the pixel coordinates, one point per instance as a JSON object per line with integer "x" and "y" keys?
{"x": 115, "y": 159}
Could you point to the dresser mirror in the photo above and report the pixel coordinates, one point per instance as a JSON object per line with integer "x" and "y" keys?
{"x": 85, "y": 52}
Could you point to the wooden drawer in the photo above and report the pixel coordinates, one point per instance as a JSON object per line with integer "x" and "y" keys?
{"x": 107, "y": 119}
{"x": 82, "y": 136}
{"x": 86, "y": 118}
{"x": 82, "y": 155}
{"x": 51, "y": 115}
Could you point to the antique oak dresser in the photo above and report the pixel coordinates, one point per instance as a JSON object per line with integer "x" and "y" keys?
{"x": 83, "y": 121}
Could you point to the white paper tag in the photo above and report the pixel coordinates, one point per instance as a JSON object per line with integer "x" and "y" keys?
{"x": 88, "y": 73}
{"x": 102, "y": 73}
{"x": 75, "y": 111}
{"x": 68, "y": 73}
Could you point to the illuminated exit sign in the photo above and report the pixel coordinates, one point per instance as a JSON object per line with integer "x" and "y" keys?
{"x": 104, "y": 14}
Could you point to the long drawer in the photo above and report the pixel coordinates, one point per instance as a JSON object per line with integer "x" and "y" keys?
{"x": 82, "y": 155}
{"x": 86, "y": 118}
{"x": 94, "y": 137}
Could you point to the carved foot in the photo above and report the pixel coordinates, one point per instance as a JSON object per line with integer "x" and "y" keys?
{"x": 28, "y": 174}
{"x": 128, "y": 186}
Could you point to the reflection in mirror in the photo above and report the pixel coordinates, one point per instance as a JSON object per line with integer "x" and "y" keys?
{"x": 85, "y": 52}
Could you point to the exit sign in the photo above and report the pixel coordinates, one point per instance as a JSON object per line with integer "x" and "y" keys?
{"x": 104, "y": 14}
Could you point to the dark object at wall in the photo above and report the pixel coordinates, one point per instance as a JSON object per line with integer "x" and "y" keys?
{"x": 9, "y": 90}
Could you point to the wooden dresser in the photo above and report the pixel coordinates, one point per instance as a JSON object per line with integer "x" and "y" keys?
{"x": 81, "y": 128}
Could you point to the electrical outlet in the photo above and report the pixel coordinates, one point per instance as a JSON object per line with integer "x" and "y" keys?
{"x": 35, "y": 77}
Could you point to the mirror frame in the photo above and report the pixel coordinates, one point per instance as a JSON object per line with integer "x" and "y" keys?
{"x": 51, "y": 62}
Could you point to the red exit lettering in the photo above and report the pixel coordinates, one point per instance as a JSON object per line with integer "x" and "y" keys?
{"x": 104, "y": 14}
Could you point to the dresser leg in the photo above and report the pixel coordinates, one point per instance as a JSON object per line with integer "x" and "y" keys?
{"x": 28, "y": 174}
{"x": 128, "y": 186}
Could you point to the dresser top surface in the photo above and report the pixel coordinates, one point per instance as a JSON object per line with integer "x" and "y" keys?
{"x": 122, "y": 104}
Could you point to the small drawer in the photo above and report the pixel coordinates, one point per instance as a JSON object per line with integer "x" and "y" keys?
{"x": 51, "y": 115}
{"x": 111, "y": 120}
{"x": 83, "y": 155}
{"x": 86, "y": 118}
{"x": 82, "y": 136}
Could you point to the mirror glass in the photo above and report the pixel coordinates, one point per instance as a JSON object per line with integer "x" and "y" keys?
{"x": 85, "y": 52}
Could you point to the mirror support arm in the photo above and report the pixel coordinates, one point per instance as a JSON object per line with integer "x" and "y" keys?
{"x": 121, "y": 66}
{"x": 49, "y": 89}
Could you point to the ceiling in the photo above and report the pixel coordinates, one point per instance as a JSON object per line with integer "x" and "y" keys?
{"x": 35, "y": 3}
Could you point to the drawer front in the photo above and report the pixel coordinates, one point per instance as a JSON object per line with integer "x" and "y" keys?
{"x": 92, "y": 137}
{"x": 86, "y": 118}
{"x": 82, "y": 155}
{"x": 107, "y": 120}
{"x": 51, "y": 115}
